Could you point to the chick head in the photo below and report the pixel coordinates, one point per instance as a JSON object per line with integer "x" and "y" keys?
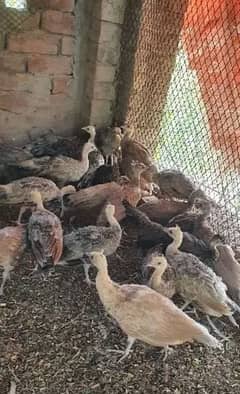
{"x": 202, "y": 205}
{"x": 138, "y": 166}
{"x": 174, "y": 232}
{"x": 157, "y": 261}
{"x": 91, "y": 130}
{"x": 90, "y": 147}
{"x": 98, "y": 259}
{"x": 110, "y": 209}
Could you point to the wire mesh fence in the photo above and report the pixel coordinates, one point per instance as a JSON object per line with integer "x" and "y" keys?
{"x": 14, "y": 14}
{"x": 180, "y": 68}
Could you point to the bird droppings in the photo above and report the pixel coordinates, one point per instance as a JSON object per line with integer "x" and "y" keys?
{"x": 55, "y": 337}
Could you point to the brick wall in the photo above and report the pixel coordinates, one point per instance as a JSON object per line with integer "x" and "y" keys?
{"x": 103, "y": 59}
{"x": 37, "y": 73}
{"x": 58, "y": 72}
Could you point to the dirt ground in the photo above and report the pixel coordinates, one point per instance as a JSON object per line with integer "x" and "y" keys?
{"x": 54, "y": 337}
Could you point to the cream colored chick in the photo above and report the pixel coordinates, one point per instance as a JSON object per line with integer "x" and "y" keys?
{"x": 12, "y": 245}
{"x": 196, "y": 282}
{"x": 226, "y": 266}
{"x": 156, "y": 282}
{"x": 144, "y": 314}
{"x": 45, "y": 234}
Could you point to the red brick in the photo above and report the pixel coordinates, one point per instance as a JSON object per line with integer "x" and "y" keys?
{"x": 15, "y": 102}
{"x": 36, "y": 42}
{"x": 39, "y": 85}
{"x": 50, "y": 64}
{"x": 12, "y": 62}
{"x": 60, "y": 5}
{"x": 32, "y": 22}
{"x": 62, "y": 85}
{"x": 58, "y": 22}
{"x": 67, "y": 46}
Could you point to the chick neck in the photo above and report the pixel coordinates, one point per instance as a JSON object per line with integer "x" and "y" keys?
{"x": 176, "y": 243}
{"x": 37, "y": 199}
{"x": 156, "y": 278}
{"x": 105, "y": 286}
{"x": 111, "y": 219}
{"x": 85, "y": 152}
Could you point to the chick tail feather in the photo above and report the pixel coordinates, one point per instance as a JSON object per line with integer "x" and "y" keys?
{"x": 206, "y": 338}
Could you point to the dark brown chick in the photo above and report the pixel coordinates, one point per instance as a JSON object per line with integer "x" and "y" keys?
{"x": 196, "y": 223}
{"x": 45, "y": 234}
{"x": 174, "y": 184}
{"x": 227, "y": 267}
{"x": 133, "y": 150}
{"x": 108, "y": 140}
{"x": 10, "y": 154}
{"x": 85, "y": 206}
{"x": 57, "y": 145}
{"x": 12, "y": 245}
{"x": 161, "y": 210}
{"x": 131, "y": 188}
{"x": 106, "y": 174}
{"x": 151, "y": 234}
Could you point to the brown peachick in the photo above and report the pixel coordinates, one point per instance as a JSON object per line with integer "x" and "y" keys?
{"x": 45, "y": 234}
{"x": 12, "y": 245}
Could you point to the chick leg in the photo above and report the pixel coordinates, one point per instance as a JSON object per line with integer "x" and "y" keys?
{"x": 21, "y": 212}
{"x": 233, "y": 321}
{"x": 130, "y": 343}
{"x": 125, "y": 353}
{"x": 5, "y": 277}
{"x": 216, "y": 329}
{"x": 167, "y": 351}
{"x": 185, "y": 305}
{"x": 86, "y": 267}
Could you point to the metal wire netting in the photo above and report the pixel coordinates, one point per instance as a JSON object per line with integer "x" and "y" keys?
{"x": 179, "y": 85}
{"x": 14, "y": 14}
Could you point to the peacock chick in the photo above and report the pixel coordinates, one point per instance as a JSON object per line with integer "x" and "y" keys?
{"x": 61, "y": 169}
{"x": 82, "y": 241}
{"x": 162, "y": 210}
{"x": 12, "y": 245}
{"x": 108, "y": 140}
{"x": 196, "y": 282}
{"x": 162, "y": 279}
{"x": 226, "y": 266}
{"x": 131, "y": 188}
{"x": 96, "y": 161}
{"x": 133, "y": 150}
{"x": 45, "y": 234}
{"x": 54, "y": 145}
{"x": 19, "y": 192}
{"x": 151, "y": 234}
{"x": 196, "y": 222}
{"x": 145, "y": 315}
{"x": 11, "y": 154}
{"x": 84, "y": 207}
{"x": 174, "y": 184}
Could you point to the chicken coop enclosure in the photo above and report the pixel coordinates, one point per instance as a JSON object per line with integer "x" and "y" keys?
{"x": 179, "y": 87}
{"x": 177, "y": 83}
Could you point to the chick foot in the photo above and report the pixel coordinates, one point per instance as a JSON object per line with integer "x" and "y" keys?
{"x": 125, "y": 353}
{"x": 167, "y": 351}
